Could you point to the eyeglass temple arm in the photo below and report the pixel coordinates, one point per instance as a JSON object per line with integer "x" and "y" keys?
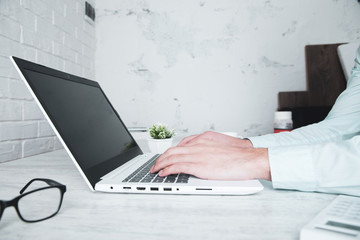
{"x": 48, "y": 181}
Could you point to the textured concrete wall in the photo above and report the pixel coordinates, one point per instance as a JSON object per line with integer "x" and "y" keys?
{"x": 219, "y": 64}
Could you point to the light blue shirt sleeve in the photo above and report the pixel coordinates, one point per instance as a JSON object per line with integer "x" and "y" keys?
{"x": 321, "y": 157}
{"x": 332, "y": 167}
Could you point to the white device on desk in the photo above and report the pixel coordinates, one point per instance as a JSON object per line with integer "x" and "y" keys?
{"x": 339, "y": 220}
{"x": 100, "y": 144}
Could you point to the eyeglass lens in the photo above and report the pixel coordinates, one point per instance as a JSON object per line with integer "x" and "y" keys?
{"x": 40, "y": 204}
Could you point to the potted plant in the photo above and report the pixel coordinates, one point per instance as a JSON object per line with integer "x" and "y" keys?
{"x": 160, "y": 138}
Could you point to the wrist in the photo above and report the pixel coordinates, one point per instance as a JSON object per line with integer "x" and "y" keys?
{"x": 263, "y": 166}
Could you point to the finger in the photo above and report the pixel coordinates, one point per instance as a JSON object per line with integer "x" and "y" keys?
{"x": 166, "y": 161}
{"x": 186, "y": 168}
{"x": 176, "y": 154}
{"x": 205, "y": 137}
{"x": 201, "y": 142}
{"x": 181, "y": 151}
{"x": 189, "y": 141}
{"x": 186, "y": 140}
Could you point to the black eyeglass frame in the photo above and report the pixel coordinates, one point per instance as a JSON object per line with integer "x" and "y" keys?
{"x": 14, "y": 202}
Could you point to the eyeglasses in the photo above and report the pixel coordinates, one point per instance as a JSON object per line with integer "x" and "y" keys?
{"x": 38, "y": 204}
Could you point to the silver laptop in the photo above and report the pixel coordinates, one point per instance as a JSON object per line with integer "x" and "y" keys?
{"x": 100, "y": 145}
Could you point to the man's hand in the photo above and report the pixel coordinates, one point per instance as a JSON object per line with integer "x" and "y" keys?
{"x": 216, "y": 138}
{"x": 215, "y": 156}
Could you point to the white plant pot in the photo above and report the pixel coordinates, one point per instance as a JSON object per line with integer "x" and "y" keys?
{"x": 159, "y": 145}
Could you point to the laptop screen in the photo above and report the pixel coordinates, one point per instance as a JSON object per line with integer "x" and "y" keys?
{"x": 85, "y": 119}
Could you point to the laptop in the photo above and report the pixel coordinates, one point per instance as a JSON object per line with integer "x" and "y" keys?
{"x": 98, "y": 142}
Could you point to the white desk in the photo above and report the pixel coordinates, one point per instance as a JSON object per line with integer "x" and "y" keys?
{"x": 270, "y": 214}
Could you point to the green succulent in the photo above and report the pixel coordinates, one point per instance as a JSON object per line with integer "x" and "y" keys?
{"x": 160, "y": 131}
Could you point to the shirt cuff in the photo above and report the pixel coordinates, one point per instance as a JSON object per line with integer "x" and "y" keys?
{"x": 292, "y": 168}
{"x": 263, "y": 141}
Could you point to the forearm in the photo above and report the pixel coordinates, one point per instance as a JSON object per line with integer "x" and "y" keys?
{"x": 330, "y": 167}
{"x": 311, "y": 134}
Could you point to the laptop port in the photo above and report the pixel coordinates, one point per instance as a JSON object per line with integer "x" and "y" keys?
{"x": 203, "y": 189}
{"x": 140, "y": 188}
{"x": 167, "y": 189}
{"x": 127, "y": 188}
{"x": 154, "y": 189}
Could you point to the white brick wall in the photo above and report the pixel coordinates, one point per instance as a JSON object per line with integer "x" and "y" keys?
{"x": 50, "y": 32}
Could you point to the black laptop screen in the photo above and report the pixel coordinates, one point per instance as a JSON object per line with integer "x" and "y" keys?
{"x": 86, "y": 121}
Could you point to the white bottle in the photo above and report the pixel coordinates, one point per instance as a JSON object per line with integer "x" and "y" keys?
{"x": 283, "y": 121}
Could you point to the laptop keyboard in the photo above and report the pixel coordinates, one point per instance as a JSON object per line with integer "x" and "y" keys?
{"x": 143, "y": 174}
